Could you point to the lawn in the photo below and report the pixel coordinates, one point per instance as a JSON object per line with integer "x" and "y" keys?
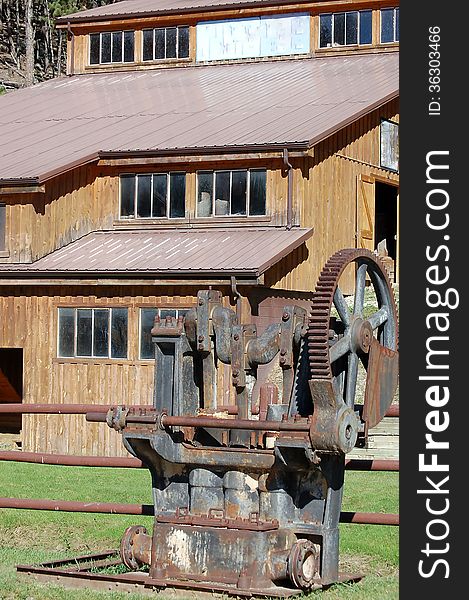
{"x": 28, "y": 537}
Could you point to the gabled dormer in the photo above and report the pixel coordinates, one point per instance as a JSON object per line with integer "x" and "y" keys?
{"x": 143, "y": 34}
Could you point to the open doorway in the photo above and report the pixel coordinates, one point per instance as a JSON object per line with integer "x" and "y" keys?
{"x": 11, "y": 387}
{"x": 386, "y": 226}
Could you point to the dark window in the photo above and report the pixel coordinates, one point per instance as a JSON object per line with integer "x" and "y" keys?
{"x": 345, "y": 29}
{"x": 166, "y": 42}
{"x": 3, "y": 227}
{"x": 237, "y": 193}
{"x": 111, "y": 47}
{"x": 92, "y": 332}
{"x": 147, "y": 318}
{"x": 389, "y": 25}
{"x": 153, "y": 195}
{"x": 94, "y": 48}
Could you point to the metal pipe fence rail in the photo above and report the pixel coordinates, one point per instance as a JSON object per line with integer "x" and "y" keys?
{"x": 127, "y": 462}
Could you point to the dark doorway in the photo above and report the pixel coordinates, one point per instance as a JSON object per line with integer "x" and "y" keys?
{"x": 11, "y": 387}
{"x": 386, "y": 225}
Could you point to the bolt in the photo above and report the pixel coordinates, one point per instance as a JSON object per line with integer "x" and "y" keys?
{"x": 285, "y": 316}
{"x": 283, "y": 352}
{"x": 236, "y": 337}
{"x": 201, "y": 338}
{"x": 235, "y": 372}
{"x": 282, "y": 360}
{"x": 201, "y": 347}
{"x": 201, "y": 302}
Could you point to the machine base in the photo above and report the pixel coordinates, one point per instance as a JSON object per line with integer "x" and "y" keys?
{"x": 83, "y": 572}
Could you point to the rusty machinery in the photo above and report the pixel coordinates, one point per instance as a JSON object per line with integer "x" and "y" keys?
{"x": 250, "y": 502}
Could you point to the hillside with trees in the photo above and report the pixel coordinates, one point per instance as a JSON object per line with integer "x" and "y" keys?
{"x": 31, "y": 49}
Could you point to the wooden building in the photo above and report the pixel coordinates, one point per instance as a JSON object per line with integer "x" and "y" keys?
{"x": 229, "y": 143}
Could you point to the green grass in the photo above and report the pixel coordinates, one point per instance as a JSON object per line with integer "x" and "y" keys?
{"x": 28, "y": 537}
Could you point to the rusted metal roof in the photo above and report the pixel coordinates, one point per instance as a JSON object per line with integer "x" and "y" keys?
{"x": 56, "y": 125}
{"x": 243, "y": 251}
{"x": 148, "y": 8}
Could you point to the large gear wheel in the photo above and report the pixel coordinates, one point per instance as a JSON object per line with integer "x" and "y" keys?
{"x": 341, "y": 338}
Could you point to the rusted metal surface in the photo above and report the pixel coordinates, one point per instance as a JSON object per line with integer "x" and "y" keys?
{"x": 371, "y": 465}
{"x": 68, "y": 460}
{"x": 383, "y": 365}
{"x": 245, "y": 251}
{"x": 53, "y": 409}
{"x": 130, "y": 113}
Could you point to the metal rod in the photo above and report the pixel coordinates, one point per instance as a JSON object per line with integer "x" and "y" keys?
{"x": 69, "y": 460}
{"x": 147, "y": 509}
{"x": 364, "y": 518}
{"x": 85, "y": 507}
{"x": 363, "y": 464}
{"x": 56, "y": 409}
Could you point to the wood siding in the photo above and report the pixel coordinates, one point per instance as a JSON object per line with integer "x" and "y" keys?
{"x": 326, "y": 197}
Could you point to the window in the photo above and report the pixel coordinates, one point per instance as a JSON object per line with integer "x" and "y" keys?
{"x": 147, "y": 318}
{"x": 153, "y": 195}
{"x": 240, "y": 193}
{"x": 345, "y": 29}
{"x": 165, "y": 42}
{"x": 389, "y": 145}
{"x": 92, "y": 332}
{"x": 3, "y": 227}
{"x": 389, "y": 25}
{"x": 111, "y": 47}
{"x": 279, "y": 35}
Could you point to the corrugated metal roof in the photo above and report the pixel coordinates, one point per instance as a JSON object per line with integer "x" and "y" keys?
{"x": 141, "y": 8}
{"x": 60, "y": 123}
{"x": 243, "y": 251}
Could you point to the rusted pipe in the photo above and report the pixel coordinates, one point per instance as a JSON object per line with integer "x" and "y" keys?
{"x": 359, "y": 464}
{"x": 56, "y": 409}
{"x": 364, "y": 518}
{"x": 70, "y": 461}
{"x": 289, "y": 168}
{"x": 147, "y": 509}
{"x": 85, "y": 507}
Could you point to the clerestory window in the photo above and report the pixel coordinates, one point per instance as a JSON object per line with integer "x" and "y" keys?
{"x": 112, "y": 47}
{"x": 345, "y": 28}
{"x": 165, "y": 42}
{"x": 153, "y": 195}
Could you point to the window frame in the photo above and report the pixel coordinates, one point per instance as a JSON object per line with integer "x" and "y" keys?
{"x": 165, "y": 59}
{"x": 381, "y": 164}
{"x": 111, "y": 62}
{"x": 136, "y": 216}
{"x": 248, "y": 193}
{"x": 345, "y": 45}
{"x": 395, "y": 10}
{"x": 92, "y": 356}
{"x": 158, "y": 309}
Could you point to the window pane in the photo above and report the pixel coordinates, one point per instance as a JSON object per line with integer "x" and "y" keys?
{"x": 84, "y": 332}
{"x": 66, "y": 331}
{"x": 148, "y": 44}
{"x": 171, "y": 34}
{"x": 222, "y": 192}
{"x": 183, "y": 312}
{"x": 351, "y": 30}
{"x": 177, "y": 195}
{"x": 257, "y": 192}
{"x": 105, "y": 47}
{"x": 396, "y": 18}
{"x": 238, "y": 192}
{"x": 127, "y": 195}
{"x": 167, "y": 312}
{"x": 160, "y": 190}
{"x": 339, "y": 29}
{"x": 159, "y": 43}
{"x": 365, "y": 27}
{"x": 183, "y": 42}
{"x": 129, "y": 46}
{"x": 94, "y": 49}
{"x": 325, "y": 31}
{"x": 205, "y": 193}
{"x": 143, "y": 195}
{"x": 147, "y": 317}
{"x": 387, "y": 31}
{"x": 119, "y": 333}
{"x": 101, "y": 332}
{"x": 3, "y": 226}
{"x": 117, "y": 46}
